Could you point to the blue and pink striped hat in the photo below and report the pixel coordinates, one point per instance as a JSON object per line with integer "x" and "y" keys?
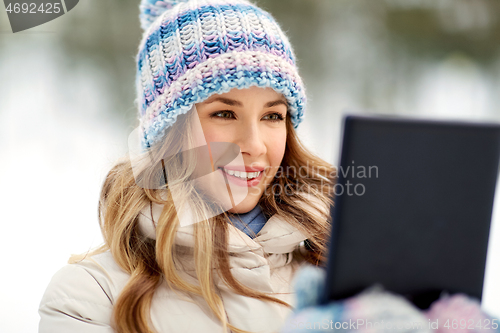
{"x": 192, "y": 49}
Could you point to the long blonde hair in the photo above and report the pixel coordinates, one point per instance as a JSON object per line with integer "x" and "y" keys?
{"x": 150, "y": 261}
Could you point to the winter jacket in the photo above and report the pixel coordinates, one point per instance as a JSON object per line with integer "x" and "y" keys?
{"x": 80, "y": 296}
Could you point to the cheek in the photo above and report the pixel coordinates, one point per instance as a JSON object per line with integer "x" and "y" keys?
{"x": 214, "y": 134}
{"x": 276, "y": 148}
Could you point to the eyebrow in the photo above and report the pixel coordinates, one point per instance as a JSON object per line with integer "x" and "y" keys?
{"x": 233, "y": 102}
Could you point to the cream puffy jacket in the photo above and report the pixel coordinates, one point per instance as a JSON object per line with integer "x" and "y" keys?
{"x": 80, "y": 296}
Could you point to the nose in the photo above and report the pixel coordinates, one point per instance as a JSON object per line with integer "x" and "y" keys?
{"x": 251, "y": 140}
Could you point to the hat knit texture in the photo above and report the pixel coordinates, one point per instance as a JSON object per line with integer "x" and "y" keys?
{"x": 193, "y": 49}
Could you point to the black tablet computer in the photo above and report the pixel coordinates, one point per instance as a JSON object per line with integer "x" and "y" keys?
{"x": 412, "y": 209}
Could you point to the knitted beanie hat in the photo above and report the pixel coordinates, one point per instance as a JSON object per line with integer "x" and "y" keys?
{"x": 192, "y": 49}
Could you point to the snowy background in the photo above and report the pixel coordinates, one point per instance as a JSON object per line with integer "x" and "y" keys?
{"x": 66, "y": 109}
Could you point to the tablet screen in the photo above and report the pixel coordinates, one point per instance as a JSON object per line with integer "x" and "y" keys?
{"x": 413, "y": 207}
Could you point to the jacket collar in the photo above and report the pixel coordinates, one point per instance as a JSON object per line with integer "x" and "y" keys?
{"x": 277, "y": 235}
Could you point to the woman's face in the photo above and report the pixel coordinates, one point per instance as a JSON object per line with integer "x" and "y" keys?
{"x": 253, "y": 119}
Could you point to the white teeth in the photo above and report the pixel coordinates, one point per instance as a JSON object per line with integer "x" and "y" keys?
{"x": 242, "y": 174}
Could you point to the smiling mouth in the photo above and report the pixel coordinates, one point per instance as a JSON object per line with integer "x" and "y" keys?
{"x": 242, "y": 174}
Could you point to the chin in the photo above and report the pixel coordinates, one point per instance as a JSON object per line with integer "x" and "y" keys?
{"x": 244, "y": 207}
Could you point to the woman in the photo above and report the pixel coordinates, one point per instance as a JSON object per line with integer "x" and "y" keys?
{"x": 206, "y": 223}
{"x": 198, "y": 236}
